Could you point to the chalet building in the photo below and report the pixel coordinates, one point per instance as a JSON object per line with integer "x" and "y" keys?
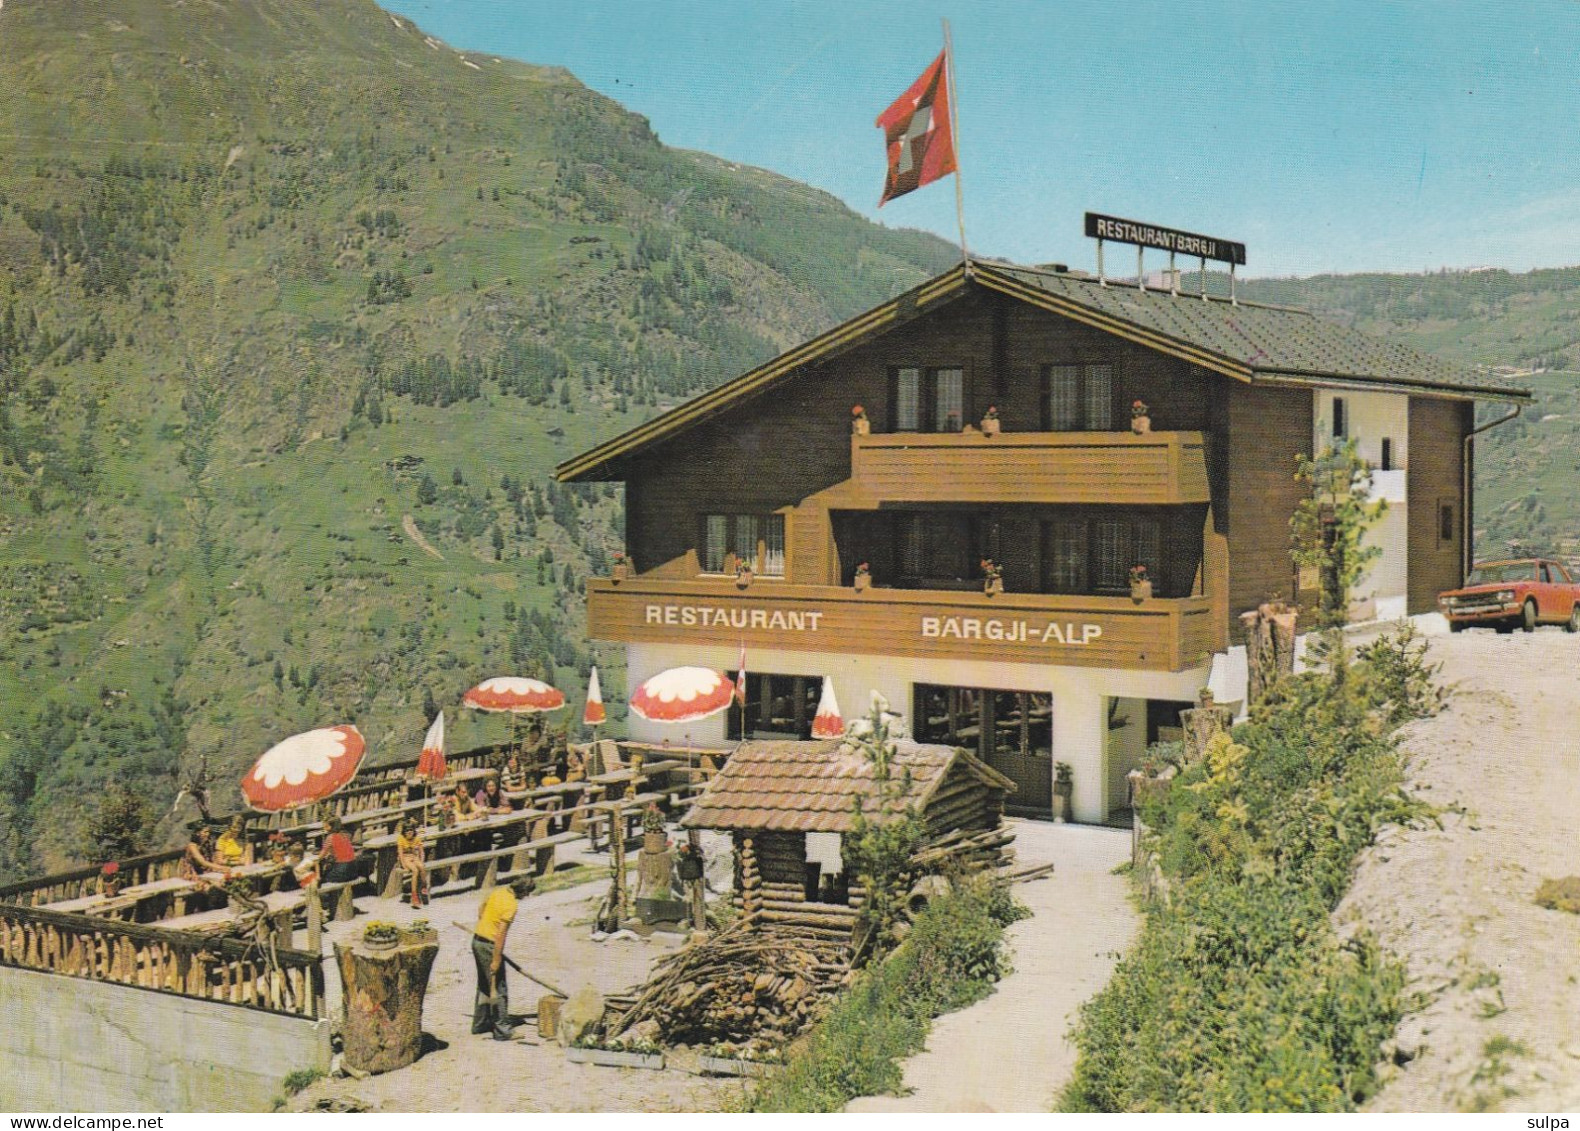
{"x": 864, "y": 545}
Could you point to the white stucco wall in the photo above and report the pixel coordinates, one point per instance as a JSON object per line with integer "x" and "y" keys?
{"x": 1080, "y": 717}
{"x": 1372, "y": 417}
{"x": 75, "y": 1044}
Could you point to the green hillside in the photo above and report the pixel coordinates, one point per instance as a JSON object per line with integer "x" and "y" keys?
{"x": 275, "y": 275}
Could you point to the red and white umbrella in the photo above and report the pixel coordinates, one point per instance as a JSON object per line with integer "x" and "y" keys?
{"x": 304, "y": 768}
{"x": 431, "y": 763}
{"x": 683, "y": 695}
{"x": 827, "y": 723}
{"x": 516, "y": 694}
{"x": 593, "y": 714}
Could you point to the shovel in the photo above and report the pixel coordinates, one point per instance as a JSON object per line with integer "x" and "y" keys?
{"x": 516, "y": 966}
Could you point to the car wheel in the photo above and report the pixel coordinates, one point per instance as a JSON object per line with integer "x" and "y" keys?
{"x": 1503, "y": 629}
{"x": 1574, "y": 619}
{"x": 1459, "y": 626}
{"x": 1528, "y": 617}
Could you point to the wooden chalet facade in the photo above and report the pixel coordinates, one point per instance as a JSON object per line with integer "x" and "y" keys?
{"x": 1062, "y": 665}
{"x": 788, "y": 805}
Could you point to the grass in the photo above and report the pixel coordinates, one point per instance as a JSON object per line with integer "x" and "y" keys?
{"x": 951, "y": 958}
{"x": 250, "y": 283}
{"x": 1492, "y": 1090}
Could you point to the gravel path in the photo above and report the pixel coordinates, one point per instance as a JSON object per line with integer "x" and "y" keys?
{"x": 1501, "y": 1027}
{"x": 1009, "y": 1052}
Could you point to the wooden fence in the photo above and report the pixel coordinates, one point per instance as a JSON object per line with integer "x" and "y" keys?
{"x": 80, "y": 882}
{"x": 171, "y": 962}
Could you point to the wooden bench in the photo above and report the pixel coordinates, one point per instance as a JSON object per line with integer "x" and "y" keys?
{"x": 282, "y": 907}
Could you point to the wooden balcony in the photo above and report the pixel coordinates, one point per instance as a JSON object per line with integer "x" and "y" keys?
{"x": 1115, "y": 632}
{"x": 1159, "y": 468}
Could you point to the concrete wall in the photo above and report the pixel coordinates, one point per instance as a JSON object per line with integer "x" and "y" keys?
{"x": 1080, "y": 716}
{"x": 71, "y": 1044}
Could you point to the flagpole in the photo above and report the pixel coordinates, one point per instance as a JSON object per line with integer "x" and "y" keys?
{"x": 954, "y": 137}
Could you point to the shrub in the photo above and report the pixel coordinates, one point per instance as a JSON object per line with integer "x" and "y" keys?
{"x": 951, "y": 958}
{"x": 1239, "y": 995}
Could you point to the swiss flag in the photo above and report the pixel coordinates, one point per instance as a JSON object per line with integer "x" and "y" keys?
{"x": 916, "y": 131}
{"x": 740, "y": 677}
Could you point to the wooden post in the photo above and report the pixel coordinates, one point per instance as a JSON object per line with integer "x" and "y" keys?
{"x": 315, "y": 919}
{"x": 382, "y": 1001}
{"x": 618, "y": 905}
{"x": 1199, "y": 725}
{"x": 699, "y": 906}
{"x": 1269, "y": 648}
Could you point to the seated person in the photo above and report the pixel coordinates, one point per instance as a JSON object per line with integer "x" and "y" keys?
{"x": 489, "y": 799}
{"x": 461, "y": 806}
{"x": 514, "y": 775}
{"x": 199, "y": 862}
{"x": 412, "y": 856}
{"x": 575, "y": 766}
{"x": 301, "y": 871}
{"x": 339, "y": 863}
{"x": 232, "y": 845}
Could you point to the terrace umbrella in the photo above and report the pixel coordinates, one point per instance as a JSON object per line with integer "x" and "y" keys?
{"x": 516, "y": 695}
{"x": 683, "y": 695}
{"x": 431, "y": 763}
{"x": 304, "y": 768}
{"x": 593, "y": 714}
{"x": 828, "y": 723}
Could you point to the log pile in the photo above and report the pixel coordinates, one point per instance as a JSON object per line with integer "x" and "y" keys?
{"x": 968, "y": 850}
{"x": 761, "y": 985}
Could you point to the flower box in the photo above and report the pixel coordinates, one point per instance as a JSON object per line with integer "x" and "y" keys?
{"x": 733, "y": 1066}
{"x": 615, "y": 1058}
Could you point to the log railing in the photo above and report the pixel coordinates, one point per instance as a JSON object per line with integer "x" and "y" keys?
{"x": 170, "y": 962}
{"x": 85, "y": 881}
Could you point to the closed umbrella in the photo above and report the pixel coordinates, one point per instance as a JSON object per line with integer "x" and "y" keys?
{"x": 431, "y": 762}
{"x": 593, "y": 714}
{"x": 304, "y": 768}
{"x": 827, "y": 723}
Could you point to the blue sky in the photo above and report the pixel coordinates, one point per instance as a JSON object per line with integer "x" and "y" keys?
{"x": 1327, "y": 136}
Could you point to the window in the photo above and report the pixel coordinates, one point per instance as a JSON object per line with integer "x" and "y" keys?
{"x": 936, "y": 549}
{"x": 1064, "y": 556}
{"x": 1118, "y": 544}
{"x": 908, "y": 401}
{"x": 1447, "y": 529}
{"x": 756, "y": 540}
{"x": 929, "y": 400}
{"x": 1341, "y": 422}
{"x": 1387, "y": 454}
{"x": 776, "y": 706}
{"x": 1080, "y": 398}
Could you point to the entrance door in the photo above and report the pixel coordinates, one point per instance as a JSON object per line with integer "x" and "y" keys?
{"x": 1012, "y": 731}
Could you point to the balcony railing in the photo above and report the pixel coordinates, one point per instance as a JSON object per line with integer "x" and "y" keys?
{"x": 1158, "y": 468}
{"x": 1157, "y": 634}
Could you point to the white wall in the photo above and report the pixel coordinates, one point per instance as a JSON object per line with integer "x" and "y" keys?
{"x": 1080, "y": 720}
{"x": 75, "y": 1044}
{"x": 1371, "y": 417}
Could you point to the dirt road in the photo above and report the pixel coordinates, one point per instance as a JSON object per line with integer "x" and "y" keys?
{"x": 1501, "y": 1027}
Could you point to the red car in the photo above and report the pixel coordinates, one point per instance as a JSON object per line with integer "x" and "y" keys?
{"x": 1524, "y": 592}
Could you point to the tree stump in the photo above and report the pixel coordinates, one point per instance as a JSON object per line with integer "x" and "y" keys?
{"x": 1200, "y": 724}
{"x": 382, "y": 994}
{"x": 1269, "y": 647}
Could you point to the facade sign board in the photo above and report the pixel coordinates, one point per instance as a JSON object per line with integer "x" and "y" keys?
{"x": 1102, "y": 227}
{"x": 1105, "y": 632}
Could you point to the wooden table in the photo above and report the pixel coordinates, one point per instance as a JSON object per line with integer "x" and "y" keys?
{"x": 386, "y": 853}
{"x": 178, "y": 889}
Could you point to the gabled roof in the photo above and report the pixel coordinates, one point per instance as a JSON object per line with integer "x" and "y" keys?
{"x": 791, "y": 786}
{"x": 1244, "y": 341}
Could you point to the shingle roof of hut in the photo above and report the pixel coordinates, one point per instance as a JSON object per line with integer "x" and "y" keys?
{"x": 791, "y": 786}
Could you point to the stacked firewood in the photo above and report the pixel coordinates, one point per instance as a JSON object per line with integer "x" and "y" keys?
{"x": 969, "y": 850}
{"x": 763, "y": 985}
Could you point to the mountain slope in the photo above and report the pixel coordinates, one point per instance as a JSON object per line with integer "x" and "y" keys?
{"x": 275, "y": 275}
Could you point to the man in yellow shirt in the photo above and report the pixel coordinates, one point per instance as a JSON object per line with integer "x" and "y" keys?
{"x": 491, "y": 1013}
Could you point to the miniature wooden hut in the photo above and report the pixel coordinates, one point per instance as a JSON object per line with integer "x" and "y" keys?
{"x": 788, "y": 806}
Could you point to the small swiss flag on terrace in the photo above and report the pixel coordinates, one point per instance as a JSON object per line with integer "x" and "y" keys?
{"x": 916, "y": 131}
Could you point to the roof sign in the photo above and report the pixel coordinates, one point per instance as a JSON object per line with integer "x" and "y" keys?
{"x": 1113, "y": 228}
